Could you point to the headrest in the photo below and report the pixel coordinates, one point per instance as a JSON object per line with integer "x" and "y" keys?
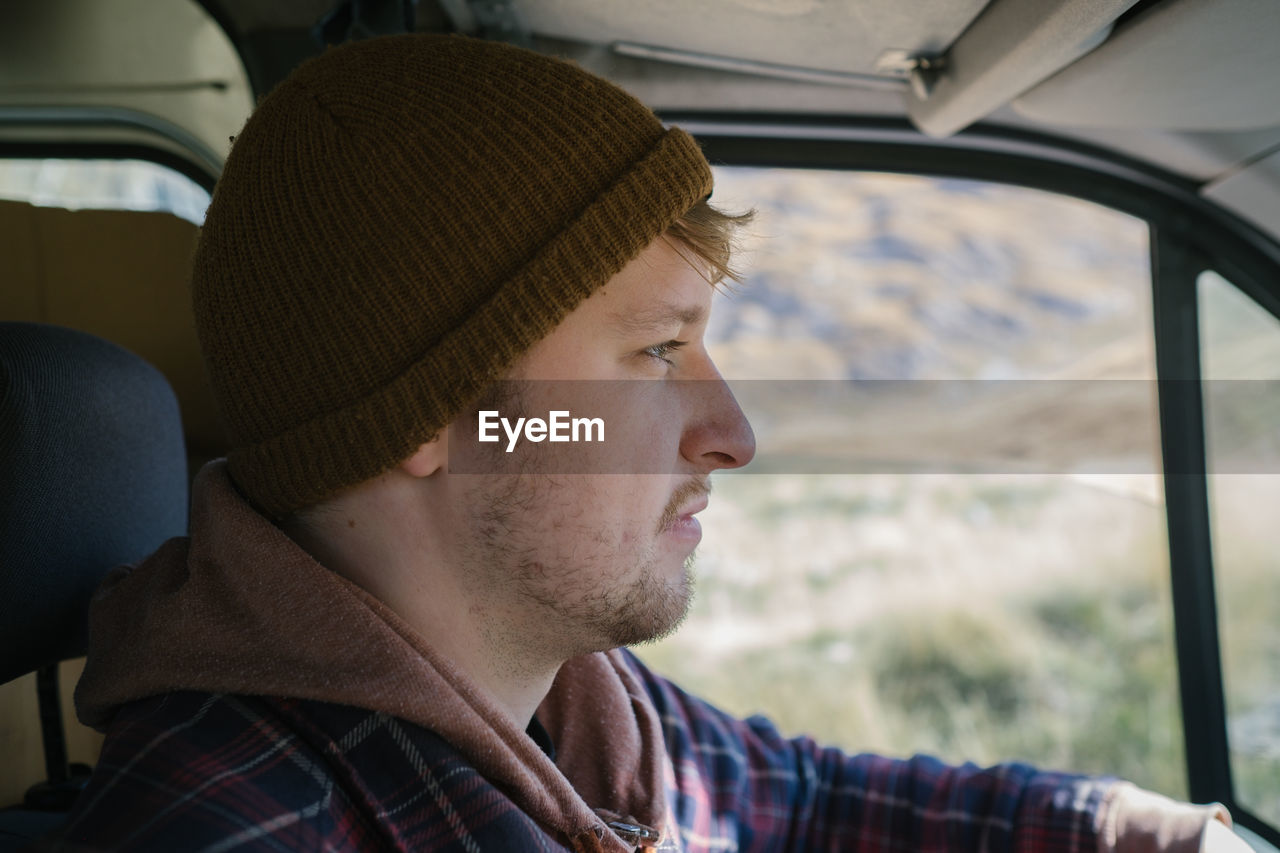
{"x": 93, "y": 474}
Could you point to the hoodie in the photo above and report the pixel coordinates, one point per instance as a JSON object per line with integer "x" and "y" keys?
{"x": 238, "y": 608}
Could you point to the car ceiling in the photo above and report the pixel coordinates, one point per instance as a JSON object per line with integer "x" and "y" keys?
{"x": 830, "y": 35}
{"x": 1186, "y": 85}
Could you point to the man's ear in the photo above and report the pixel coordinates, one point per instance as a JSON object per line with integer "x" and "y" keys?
{"x": 429, "y": 458}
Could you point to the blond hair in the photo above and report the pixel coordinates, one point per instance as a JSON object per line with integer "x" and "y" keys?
{"x": 710, "y": 234}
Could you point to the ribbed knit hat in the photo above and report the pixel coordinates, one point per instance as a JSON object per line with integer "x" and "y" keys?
{"x": 398, "y": 221}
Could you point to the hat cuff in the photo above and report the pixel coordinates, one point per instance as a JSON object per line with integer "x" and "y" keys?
{"x": 339, "y": 449}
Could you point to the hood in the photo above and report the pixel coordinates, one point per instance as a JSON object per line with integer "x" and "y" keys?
{"x": 238, "y": 607}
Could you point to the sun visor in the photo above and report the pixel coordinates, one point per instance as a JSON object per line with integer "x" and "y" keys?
{"x": 1012, "y": 46}
{"x": 1182, "y": 65}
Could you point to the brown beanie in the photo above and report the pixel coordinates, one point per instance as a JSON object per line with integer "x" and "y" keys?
{"x": 398, "y": 221}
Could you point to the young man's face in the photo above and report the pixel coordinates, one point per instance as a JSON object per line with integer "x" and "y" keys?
{"x": 576, "y": 562}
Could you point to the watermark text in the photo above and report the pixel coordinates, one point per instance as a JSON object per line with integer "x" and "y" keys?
{"x": 558, "y": 426}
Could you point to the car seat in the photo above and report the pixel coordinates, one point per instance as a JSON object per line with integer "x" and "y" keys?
{"x": 93, "y": 474}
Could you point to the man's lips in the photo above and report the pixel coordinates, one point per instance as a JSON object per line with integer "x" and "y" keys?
{"x": 695, "y": 506}
{"x": 678, "y": 518}
{"x": 684, "y": 527}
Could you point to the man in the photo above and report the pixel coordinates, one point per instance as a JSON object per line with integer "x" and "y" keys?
{"x": 360, "y": 646}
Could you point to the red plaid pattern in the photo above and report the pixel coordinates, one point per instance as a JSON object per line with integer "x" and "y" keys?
{"x": 201, "y": 772}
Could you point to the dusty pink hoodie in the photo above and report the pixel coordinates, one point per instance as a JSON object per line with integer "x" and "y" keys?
{"x": 239, "y": 608}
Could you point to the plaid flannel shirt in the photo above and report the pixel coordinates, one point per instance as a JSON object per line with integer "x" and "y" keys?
{"x": 193, "y": 771}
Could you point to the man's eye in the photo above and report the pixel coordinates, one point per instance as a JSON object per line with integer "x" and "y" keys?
{"x": 661, "y": 351}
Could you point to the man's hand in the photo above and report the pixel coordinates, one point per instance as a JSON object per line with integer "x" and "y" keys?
{"x": 1140, "y": 821}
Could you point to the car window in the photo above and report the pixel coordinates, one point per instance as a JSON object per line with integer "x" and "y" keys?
{"x": 976, "y": 608}
{"x": 1240, "y": 361}
{"x": 103, "y": 184}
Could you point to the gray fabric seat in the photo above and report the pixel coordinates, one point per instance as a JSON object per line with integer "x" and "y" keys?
{"x": 93, "y": 474}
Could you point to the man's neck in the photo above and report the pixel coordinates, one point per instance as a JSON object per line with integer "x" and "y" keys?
{"x": 474, "y": 635}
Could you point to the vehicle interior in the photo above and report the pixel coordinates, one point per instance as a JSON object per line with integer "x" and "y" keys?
{"x": 1058, "y": 219}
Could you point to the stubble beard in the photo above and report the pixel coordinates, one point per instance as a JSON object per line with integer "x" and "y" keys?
{"x": 561, "y": 580}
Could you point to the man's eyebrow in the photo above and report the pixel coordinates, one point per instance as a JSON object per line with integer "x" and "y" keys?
{"x": 659, "y": 317}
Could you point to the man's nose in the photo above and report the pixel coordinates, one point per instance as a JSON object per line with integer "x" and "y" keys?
{"x": 717, "y": 433}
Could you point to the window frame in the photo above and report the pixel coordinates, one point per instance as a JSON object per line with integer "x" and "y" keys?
{"x": 1189, "y": 235}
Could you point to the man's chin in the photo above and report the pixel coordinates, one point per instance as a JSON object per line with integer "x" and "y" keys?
{"x": 659, "y": 612}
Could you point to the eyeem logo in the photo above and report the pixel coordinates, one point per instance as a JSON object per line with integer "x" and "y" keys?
{"x": 558, "y": 426}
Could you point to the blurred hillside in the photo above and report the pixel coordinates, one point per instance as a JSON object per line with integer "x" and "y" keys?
{"x": 872, "y": 276}
{"x": 888, "y": 277}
